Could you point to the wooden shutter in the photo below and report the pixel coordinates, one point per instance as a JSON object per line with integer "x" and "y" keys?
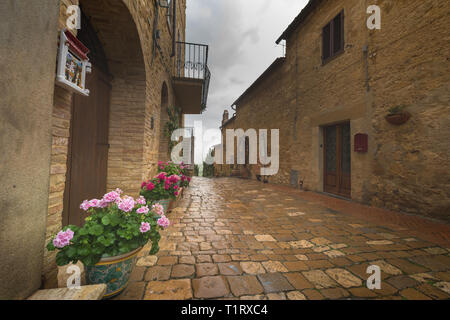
{"x": 326, "y": 42}
{"x": 337, "y": 36}
{"x": 333, "y": 37}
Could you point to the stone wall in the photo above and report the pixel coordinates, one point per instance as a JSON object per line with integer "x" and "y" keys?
{"x": 407, "y": 166}
{"x": 27, "y": 62}
{"x": 125, "y": 29}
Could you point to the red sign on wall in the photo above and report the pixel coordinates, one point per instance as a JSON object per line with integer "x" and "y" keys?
{"x": 361, "y": 142}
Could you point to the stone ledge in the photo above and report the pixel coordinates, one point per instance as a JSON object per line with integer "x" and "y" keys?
{"x": 93, "y": 292}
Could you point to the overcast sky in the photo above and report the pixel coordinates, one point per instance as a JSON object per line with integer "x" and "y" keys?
{"x": 241, "y": 35}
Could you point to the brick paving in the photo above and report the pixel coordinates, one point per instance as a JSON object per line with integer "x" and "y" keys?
{"x": 240, "y": 239}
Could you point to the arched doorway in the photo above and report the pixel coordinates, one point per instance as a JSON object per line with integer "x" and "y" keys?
{"x": 106, "y": 148}
{"x": 164, "y": 118}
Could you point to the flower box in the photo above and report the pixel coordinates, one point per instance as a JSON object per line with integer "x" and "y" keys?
{"x": 398, "y": 118}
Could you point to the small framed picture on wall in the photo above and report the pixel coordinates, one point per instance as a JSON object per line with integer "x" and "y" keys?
{"x": 73, "y": 64}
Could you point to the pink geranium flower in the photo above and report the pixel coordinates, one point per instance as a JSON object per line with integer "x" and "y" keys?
{"x": 150, "y": 186}
{"x": 162, "y": 176}
{"x": 102, "y": 203}
{"x": 85, "y": 205}
{"x": 111, "y": 196}
{"x": 145, "y": 227}
{"x": 63, "y": 238}
{"x": 126, "y": 204}
{"x": 143, "y": 210}
{"x": 141, "y": 200}
{"x": 94, "y": 203}
{"x": 174, "y": 178}
{"x": 163, "y": 222}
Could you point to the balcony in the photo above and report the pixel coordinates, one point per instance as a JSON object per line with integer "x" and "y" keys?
{"x": 192, "y": 76}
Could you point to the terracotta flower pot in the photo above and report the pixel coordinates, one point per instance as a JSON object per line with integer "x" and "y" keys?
{"x": 112, "y": 271}
{"x": 398, "y": 118}
{"x": 165, "y": 203}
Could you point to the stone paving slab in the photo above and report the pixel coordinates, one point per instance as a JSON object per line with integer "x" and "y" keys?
{"x": 91, "y": 292}
{"x": 232, "y": 238}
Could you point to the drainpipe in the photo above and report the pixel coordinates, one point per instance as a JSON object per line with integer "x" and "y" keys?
{"x": 174, "y": 27}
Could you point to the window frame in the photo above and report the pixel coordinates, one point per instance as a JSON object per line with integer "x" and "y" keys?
{"x": 333, "y": 54}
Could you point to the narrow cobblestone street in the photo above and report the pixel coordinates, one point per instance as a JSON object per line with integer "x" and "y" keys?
{"x": 240, "y": 239}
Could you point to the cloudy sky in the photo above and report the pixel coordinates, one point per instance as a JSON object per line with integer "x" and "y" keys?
{"x": 241, "y": 35}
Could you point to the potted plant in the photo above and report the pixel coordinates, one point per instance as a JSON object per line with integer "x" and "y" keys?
{"x": 161, "y": 189}
{"x": 180, "y": 170}
{"x": 113, "y": 234}
{"x": 397, "y": 115}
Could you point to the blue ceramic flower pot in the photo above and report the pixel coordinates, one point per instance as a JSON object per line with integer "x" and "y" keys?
{"x": 112, "y": 271}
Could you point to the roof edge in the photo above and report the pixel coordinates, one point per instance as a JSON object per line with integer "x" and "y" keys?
{"x": 312, "y": 4}
{"x": 276, "y": 63}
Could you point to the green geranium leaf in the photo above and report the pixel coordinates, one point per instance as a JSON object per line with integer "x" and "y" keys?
{"x": 106, "y": 221}
{"x": 62, "y": 259}
{"x": 50, "y": 246}
{"x": 71, "y": 252}
{"x": 83, "y": 232}
{"x": 84, "y": 251}
{"x": 96, "y": 230}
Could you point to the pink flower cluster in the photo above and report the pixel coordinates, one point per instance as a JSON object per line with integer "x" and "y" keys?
{"x": 141, "y": 200}
{"x": 63, "y": 238}
{"x": 126, "y": 204}
{"x": 161, "y": 165}
{"x": 148, "y": 185}
{"x": 163, "y": 222}
{"x": 143, "y": 210}
{"x": 145, "y": 227}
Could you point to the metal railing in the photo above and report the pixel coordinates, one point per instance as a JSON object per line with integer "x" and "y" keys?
{"x": 191, "y": 62}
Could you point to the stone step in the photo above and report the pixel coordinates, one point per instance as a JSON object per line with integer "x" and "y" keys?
{"x": 92, "y": 292}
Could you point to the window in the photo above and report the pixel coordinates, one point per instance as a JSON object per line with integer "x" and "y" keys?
{"x": 333, "y": 38}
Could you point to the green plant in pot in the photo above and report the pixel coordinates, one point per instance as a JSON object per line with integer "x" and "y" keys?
{"x": 162, "y": 189}
{"x": 397, "y": 115}
{"x": 107, "y": 244}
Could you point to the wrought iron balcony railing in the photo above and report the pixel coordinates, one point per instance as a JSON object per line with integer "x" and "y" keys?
{"x": 191, "y": 62}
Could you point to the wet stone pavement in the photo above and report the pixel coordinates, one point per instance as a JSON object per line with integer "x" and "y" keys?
{"x": 240, "y": 239}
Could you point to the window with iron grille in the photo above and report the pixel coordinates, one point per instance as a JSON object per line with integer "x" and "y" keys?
{"x": 333, "y": 38}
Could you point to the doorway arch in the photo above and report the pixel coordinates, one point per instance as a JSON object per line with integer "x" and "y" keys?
{"x": 113, "y": 38}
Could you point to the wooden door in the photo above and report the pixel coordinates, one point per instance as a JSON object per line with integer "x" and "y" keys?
{"x": 88, "y": 147}
{"x": 337, "y": 159}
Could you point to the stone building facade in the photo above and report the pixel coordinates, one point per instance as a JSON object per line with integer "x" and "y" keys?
{"x": 320, "y": 102}
{"x": 61, "y": 147}
{"x": 140, "y": 85}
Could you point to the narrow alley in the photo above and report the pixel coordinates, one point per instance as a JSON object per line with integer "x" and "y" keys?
{"x": 240, "y": 239}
